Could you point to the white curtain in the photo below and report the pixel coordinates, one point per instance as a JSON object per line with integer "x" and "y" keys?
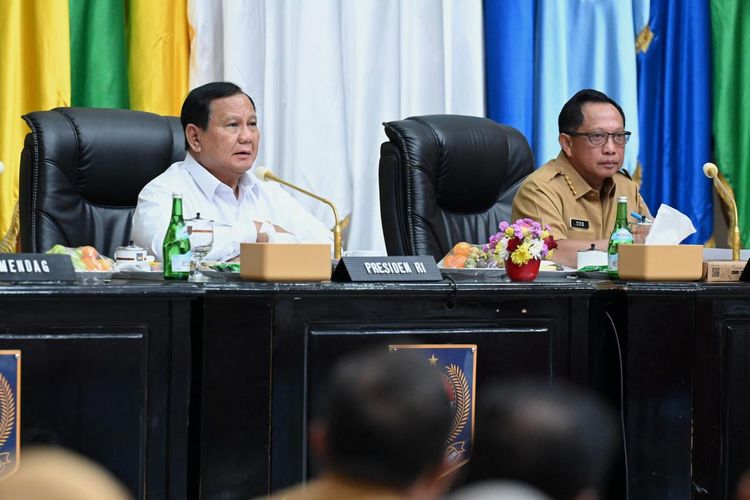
{"x": 325, "y": 74}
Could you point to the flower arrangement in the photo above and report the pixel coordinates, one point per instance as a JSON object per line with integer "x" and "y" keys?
{"x": 521, "y": 241}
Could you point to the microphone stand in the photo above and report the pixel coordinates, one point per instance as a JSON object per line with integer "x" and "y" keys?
{"x": 337, "y": 227}
{"x": 725, "y": 191}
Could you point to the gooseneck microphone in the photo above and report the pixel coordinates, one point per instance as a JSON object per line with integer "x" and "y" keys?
{"x": 712, "y": 172}
{"x": 266, "y": 174}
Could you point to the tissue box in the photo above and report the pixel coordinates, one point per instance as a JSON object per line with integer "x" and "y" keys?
{"x": 285, "y": 261}
{"x": 660, "y": 262}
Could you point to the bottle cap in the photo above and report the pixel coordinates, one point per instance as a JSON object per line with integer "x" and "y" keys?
{"x": 621, "y": 199}
{"x": 176, "y": 195}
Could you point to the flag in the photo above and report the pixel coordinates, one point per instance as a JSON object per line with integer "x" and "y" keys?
{"x": 583, "y": 44}
{"x": 34, "y": 74}
{"x": 730, "y": 22}
{"x": 98, "y": 54}
{"x": 509, "y": 33}
{"x": 457, "y": 364}
{"x": 158, "y": 50}
{"x": 674, "y": 90}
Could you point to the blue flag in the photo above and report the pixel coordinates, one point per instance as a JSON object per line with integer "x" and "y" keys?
{"x": 509, "y": 31}
{"x": 539, "y": 53}
{"x": 674, "y": 88}
{"x": 10, "y": 410}
{"x": 584, "y": 44}
{"x": 457, "y": 363}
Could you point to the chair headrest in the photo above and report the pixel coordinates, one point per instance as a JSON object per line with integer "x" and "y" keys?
{"x": 107, "y": 154}
{"x": 463, "y": 155}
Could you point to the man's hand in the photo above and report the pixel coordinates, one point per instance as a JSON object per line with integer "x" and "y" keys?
{"x": 262, "y": 236}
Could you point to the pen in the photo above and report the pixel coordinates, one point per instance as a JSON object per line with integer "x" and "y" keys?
{"x": 640, "y": 218}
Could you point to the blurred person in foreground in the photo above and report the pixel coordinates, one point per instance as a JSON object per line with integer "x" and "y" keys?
{"x": 743, "y": 487}
{"x": 550, "y": 436}
{"x": 576, "y": 193}
{"x": 382, "y": 434}
{"x": 222, "y": 140}
{"x": 52, "y": 473}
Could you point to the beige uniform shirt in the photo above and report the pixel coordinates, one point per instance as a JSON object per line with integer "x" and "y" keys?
{"x": 557, "y": 195}
{"x": 336, "y": 488}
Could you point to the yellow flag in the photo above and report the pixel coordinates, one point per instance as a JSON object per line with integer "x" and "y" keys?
{"x": 34, "y": 75}
{"x": 158, "y": 55}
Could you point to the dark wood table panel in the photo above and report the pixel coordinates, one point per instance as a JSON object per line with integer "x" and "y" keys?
{"x": 658, "y": 346}
{"x": 106, "y": 372}
{"x": 722, "y": 391}
{"x": 233, "y": 388}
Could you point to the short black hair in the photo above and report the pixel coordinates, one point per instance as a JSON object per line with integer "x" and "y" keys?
{"x": 196, "y": 108}
{"x": 571, "y": 115}
{"x": 387, "y": 418}
{"x": 552, "y": 436}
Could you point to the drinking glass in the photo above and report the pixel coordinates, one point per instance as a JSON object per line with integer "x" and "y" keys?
{"x": 201, "y": 234}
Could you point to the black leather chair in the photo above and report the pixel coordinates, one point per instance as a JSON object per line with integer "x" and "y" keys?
{"x": 82, "y": 170}
{"x": 448, "y": 178}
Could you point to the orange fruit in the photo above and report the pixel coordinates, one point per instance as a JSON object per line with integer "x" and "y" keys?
{"x": 462, "y": 248}
{"x": 449, "y": 261}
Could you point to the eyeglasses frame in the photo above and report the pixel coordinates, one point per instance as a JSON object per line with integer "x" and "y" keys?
{"x": 626, "y": 134}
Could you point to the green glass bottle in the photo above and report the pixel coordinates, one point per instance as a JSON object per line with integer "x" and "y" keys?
{"x": 176, "y": 248}
{"x": 621, "y": 235}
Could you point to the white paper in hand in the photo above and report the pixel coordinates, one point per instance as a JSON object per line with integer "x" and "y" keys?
{"x": 670, "y": 227}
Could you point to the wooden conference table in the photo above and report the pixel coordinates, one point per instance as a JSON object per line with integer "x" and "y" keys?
{"x": 190, "y": 391}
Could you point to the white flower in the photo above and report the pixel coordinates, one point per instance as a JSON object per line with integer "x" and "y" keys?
{"x": 502, "y": 248}
{"x": 536, "y": 247}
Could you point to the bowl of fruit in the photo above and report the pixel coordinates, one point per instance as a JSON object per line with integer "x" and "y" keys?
{"x": 89, "y": 264}
{"x": 469, "y": 257}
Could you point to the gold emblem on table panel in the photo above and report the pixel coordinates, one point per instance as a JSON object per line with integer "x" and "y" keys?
{"x": 10, "y": 411}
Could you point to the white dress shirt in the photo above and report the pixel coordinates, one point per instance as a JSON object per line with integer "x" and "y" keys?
{"x": 233, "y": 217}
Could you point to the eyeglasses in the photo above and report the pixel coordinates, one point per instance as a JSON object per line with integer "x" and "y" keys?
{"x": 601, "y": 138}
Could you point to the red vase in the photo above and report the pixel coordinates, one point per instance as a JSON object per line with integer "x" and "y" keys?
{"x": 524, "y": 272}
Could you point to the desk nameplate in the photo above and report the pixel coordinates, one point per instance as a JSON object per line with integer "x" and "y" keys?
{"x": 392, "y": 268}
{"x": 29, "y": 267}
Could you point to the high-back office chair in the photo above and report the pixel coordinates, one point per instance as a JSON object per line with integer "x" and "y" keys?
{"x": 82, "y": 170}
{"x": 448, "y": 178}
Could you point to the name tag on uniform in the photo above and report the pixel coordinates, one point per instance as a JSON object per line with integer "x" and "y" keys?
{"x": 579, "y": 224}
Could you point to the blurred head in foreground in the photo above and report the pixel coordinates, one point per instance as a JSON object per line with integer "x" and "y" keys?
{"x": 386, "y": 418}
{"x": 743, "y": 487}
{"x": 554, "y": 437}
{"x": 50, "y": 473}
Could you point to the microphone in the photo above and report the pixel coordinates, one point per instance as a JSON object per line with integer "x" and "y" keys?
{"x": 726, "y": 194}
{"x": 266, "y": 174}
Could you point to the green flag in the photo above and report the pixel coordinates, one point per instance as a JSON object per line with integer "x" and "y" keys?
{"x": 98, "y": 54}
{"x": 730, "y": 26}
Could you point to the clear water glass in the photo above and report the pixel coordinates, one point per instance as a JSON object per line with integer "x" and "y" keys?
{"x": 201, "y": 234}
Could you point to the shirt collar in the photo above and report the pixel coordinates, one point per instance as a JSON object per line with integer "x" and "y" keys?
{"x": 576, "y": 183}
{"x": 207, "y": 183}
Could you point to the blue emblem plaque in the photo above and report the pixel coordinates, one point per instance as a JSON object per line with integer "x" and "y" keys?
{"x": 457, "y": 364}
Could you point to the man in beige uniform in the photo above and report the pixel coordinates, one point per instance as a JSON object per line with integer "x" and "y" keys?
{"x": 576, "y": 193}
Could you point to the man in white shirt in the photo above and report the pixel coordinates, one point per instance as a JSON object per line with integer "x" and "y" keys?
{"x": 222, "y": 139}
